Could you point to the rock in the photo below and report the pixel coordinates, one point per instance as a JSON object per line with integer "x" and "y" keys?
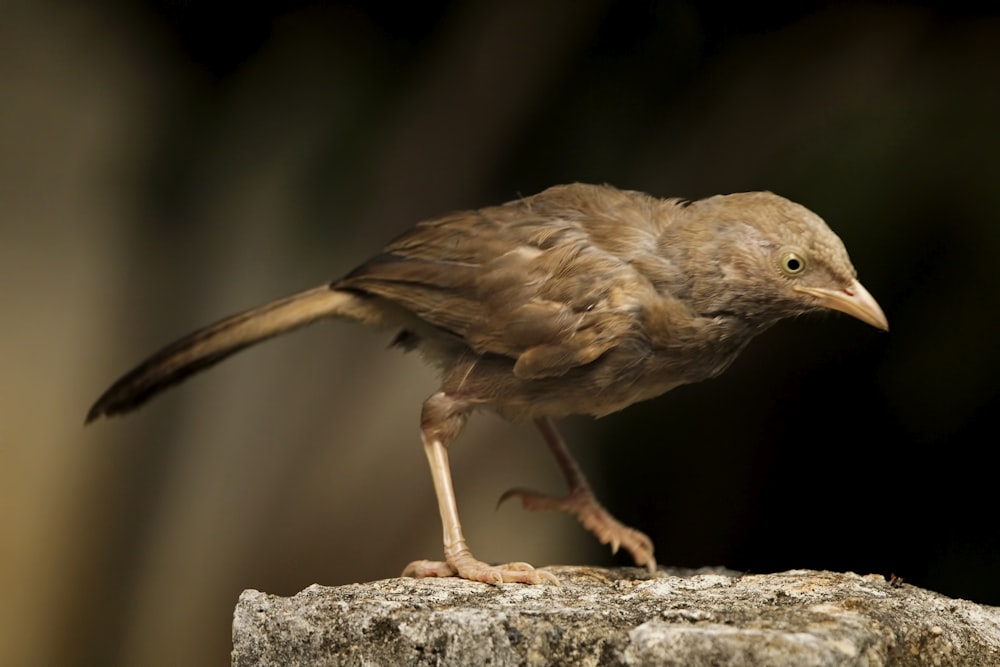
{"x": 619, "y": 617}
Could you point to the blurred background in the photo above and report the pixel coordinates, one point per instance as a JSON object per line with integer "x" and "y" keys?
{"x": 163, "y": 164}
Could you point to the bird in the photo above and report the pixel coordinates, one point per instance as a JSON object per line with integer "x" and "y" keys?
{"x": 581, "y": 299}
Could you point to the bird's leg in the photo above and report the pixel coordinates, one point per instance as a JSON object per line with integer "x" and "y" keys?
{"x": 581, "y": 503}
{"x": 442, "y": 419}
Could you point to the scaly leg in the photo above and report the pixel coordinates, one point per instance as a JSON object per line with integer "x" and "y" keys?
{"x": 581, "y": 503}
{"x": 442, "y": 419}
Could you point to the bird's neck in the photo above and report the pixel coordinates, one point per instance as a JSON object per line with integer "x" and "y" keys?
{"x": 713, "y": 271}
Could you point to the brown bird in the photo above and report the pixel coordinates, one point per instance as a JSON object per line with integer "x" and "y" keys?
{"x": 583, "y": 299}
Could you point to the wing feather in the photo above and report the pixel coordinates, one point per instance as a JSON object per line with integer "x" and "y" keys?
{"x": 537, "y": 280}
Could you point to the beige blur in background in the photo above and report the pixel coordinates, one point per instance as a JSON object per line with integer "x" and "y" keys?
{"x": 128, "y": 541}
{"x": 143, "y": 195}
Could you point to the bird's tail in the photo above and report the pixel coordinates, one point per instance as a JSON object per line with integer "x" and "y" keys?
{"x": 212, "y": 344}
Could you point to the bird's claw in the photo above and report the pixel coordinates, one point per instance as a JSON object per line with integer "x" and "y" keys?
{"x": 530, "y": 499}
{"x": 422, "y": 569}
{"x": 582, "y": 504}
{"x": 472, "y": 569}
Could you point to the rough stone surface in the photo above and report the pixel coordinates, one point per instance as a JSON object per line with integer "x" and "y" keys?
{"x": 619, "y": 617}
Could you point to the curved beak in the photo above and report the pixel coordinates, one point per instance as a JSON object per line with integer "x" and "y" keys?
{"x": 853, "y": 300}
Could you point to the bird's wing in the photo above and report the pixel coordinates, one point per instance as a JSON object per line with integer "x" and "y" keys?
{"x": 532, "y": 280}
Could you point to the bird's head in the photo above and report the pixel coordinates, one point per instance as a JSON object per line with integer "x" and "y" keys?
{"x": 777, "y": 259}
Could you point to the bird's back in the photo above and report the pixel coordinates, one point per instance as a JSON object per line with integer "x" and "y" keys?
{"x": 563, "y": 285}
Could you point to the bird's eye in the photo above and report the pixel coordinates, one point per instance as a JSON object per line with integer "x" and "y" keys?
{"x": 792, "y": 263}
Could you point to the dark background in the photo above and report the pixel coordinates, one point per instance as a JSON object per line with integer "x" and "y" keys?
{"x": 163, "y": 164}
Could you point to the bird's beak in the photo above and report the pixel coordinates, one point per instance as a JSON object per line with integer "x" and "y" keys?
{"x": 853, "y": 300}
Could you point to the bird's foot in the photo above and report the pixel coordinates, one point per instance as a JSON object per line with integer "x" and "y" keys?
{"x": 582, "y": 504}
{"x": 463, "y": 564}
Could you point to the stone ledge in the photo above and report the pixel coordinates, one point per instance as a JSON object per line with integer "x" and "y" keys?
{"x": 618, "y": 617}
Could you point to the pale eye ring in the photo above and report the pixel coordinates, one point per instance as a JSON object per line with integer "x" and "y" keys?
{"x": 792, "y": 263}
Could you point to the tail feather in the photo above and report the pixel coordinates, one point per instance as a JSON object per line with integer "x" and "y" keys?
{"x": 210, "y": 345}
